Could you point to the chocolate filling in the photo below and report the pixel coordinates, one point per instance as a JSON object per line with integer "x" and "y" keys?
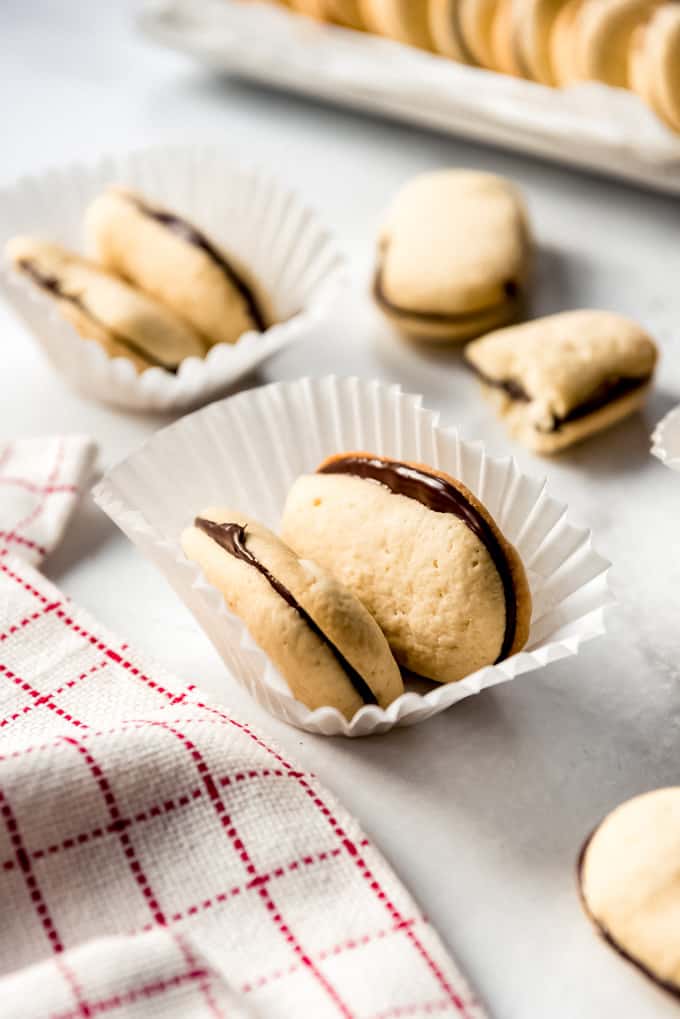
{"x": 606, "y": 936}
{"x": 607, "y": 392}
{"x": 232, "y": 538}
{"x": 52, "y": 285}
{"x": 510, "y": 288}
{"x": 442, "y": 497}
{"x": 191, "y": 235}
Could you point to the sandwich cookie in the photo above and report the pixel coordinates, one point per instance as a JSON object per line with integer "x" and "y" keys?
{"x": 476, "y": 21}
{"x": 125, "y": 322}
{"x": 453, "y": 255}
{"x": 320, "y": 637}
{"x": 662, "y": 60}
{"x": 168, "y": 258}
{"x": 345, "y": 12}
{"x": 629, "y": 880}
{"x": 604, "y": 36}
{"x": 406, "y": 21}
{"x": 563, "y": 49}
{"x": 533, "y": 25}
{"x": 558, "y": 379}
{"x": 421, "y": 553}
{"x": 312, "y": 8}
{"x": 446, "y": 31}
{"x": 505, "y": 54}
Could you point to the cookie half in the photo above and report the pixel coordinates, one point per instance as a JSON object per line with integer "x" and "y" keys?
{"x": 320, "y": 637}
{"x": 629, "y": 880}
{"x": 564, "y": 61}
{"x": 533, "y": 26}
{"x": 662, "y": 62}
{"x": 506, "y": 56}
{"x": 421, "y": 553}
{"x": 164, "y": 255}
{"x": 446, "y": 31}
{"x": 102, "y": 307}
{"x": 558, "y": 379}
{"x": 476, "y": 20}
{"x": 453, "y": 255}
{"x": 405, "y": 21}
{"x": 604, "y": 37}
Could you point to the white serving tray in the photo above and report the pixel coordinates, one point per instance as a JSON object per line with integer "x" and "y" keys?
{"x": 589, "y": 125}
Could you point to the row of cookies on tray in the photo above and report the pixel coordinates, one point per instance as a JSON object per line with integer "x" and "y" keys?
{"x": 156, "y": 291}
{"x": 631, "y": 44}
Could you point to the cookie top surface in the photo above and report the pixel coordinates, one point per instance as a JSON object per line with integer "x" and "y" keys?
{"x": 166, "y": 255}
{"x": 630, "y": 882}
{"x": 441, "y": 493}
{"x": 560, "y": 361}
{"x": 453, "y": 242}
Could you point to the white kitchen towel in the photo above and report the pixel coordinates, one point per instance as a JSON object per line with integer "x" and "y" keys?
{"x": 158, "y": 857}
{"x": 39, "y": 486}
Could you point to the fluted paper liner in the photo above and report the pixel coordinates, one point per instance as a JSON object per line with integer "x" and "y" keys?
{"x": 666, "y": 440}
{"x": 291, "y": 255}
{"x": 246, "y": 451}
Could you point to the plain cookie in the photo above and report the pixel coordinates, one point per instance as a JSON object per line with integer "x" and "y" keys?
{"x": 558, "y": 379}
{"x": 453, "y": 255}
{"x": 319, "y": 636}
{"x": 165, "y": 256}
{"x": 125, "y": 322}
{"x": 629, "y": 879}
{"x": 421, "y": 553}
{"x": 405, "y": 21}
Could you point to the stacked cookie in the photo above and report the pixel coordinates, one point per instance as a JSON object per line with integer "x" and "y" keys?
{"x": 631, "y": 44}
{"x": 158, "y": 292}
{"x": 452, "y": 263}
{"x": 381, "y": 565}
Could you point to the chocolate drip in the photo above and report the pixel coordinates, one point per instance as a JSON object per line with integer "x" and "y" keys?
{"x": 665, "y": 985}
{"x": 510, "y": 289}
{"x": 183, "y": 229}
{"x": 232, "y": 538}
{"x": 442, "y": 497}
{"x": 46, "y": 281}
{"x": 608, "y": 391}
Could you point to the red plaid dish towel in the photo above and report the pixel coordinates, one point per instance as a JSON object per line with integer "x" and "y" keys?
{"x": 158, "y": 857}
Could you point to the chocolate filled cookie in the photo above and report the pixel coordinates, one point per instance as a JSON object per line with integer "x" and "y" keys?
{"x": 318, "y": 634}
{"x": 558, "y": 379}
{"x": 167, "y": 257}
{"x": 453, "y": 256}
{"x": 421, "y": 553}
{"x": 101, "y": 307}
{"x": 629, "y": 879}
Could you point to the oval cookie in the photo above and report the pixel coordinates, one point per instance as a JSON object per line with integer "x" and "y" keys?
{"x": 321, "y": 638}
{"x": 453, "y": 255}
{"x": 421, "y": 553}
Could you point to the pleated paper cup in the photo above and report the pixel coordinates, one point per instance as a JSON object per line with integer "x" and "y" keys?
{"x": 246, "y": 451}
{"x": 289, "y": 252}
{"x": 666, "y": 440}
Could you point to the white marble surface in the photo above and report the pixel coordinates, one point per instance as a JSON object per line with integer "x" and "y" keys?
{"x": 481, "y": 810}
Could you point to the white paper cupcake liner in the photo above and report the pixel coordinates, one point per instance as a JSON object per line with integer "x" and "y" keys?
{"x": 666, "y": 440}
{"x": 289, "y": 252}
{"x": 246, "y": 451}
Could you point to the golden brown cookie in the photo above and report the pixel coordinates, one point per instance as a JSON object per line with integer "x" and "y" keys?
{"x": 101, "y": 307}
{"x": 421, "y": 553}
{"x": 558, "y": 379}
{"x": 321, "y": 638}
